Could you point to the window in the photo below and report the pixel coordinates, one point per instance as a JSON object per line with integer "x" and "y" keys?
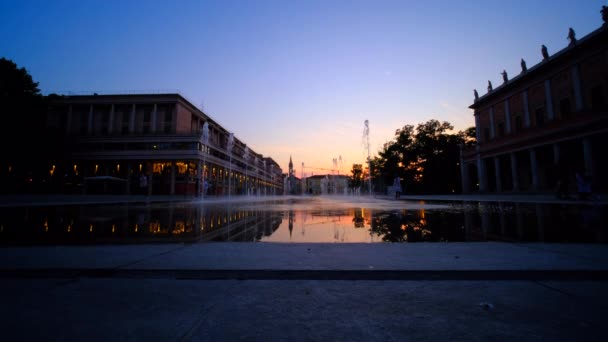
{"x": 564, "y": 107}
{"x": 168, "y": 122}
{"x": 540, "y": 116}
{"x": 501, "y": 129}
{"x": 125, "y": 122}
{"x": 518, "y": 122}
{"x": 146, "y": 123}
{"x": 597, "y": 98}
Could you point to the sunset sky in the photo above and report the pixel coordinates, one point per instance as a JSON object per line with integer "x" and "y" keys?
{"x": 293, "y": 78}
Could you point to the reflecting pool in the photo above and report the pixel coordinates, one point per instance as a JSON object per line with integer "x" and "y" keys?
{"x": 303, "y": 219}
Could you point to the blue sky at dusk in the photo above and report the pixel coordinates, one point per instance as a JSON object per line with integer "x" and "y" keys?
{"x": 293, "y": 77}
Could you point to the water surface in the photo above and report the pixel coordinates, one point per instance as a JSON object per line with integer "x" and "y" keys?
{"x": 303, "y": 219}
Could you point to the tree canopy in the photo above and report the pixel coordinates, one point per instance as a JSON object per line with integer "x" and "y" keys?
{"x": 15, "y": 83}
{"x": 426, "y": 158}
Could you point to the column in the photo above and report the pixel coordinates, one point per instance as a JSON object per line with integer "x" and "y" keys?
{"x": 132, "y": 120}
{"x": 578, "y": 94}
{"x": 549, "y": 100}
{"x": 199, "y": 178}
{"x": 172, "y": 181}
{"x": 128, "y": 182}
{"x": 534, "y": 169}
{"x": 90, "y": 120}
{"x": 514, "y": 173}
{"x": 481, "y": 173}
{"x": 527, "y": 121}
{"x": 153, "y": 120}
{"x": 497, "y": 174}
{"x": 508, "y": 116}
{"x": 111, "y": 120}
{"x": 492, "y": 130}
{"x": 477, "y": 127}
{"x": 68, "y": 121}
{"x": 464, "y": 179}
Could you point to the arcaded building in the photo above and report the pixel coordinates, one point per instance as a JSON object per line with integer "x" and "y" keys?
{"x": 552, "y": 114}
{"x": 153, "y": 144}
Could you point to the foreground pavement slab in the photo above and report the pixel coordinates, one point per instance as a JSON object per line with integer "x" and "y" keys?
{"x": 303, "y": 310}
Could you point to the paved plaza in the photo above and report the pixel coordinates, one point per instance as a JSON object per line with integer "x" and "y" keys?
{"x": 469, "y": 291}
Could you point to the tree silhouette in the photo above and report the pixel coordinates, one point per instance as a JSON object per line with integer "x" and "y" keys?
{"x": 426, "y": 158}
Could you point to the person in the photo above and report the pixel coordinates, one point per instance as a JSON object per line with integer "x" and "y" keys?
{"x": 563, "y": 180}
{"x": 583, "y": 184}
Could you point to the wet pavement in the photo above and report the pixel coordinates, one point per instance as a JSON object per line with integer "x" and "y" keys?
{"x": 228, "y": 291}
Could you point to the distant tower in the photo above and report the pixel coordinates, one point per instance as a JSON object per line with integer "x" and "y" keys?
{"x": 291, "y": 178}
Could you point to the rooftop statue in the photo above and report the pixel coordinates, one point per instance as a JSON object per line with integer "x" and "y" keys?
{"x": 604, "y": 12}
{"x": 489, "y": 86}
{"x": 476, "y": 95}
{"x": 571, "y": 36}
{"x": 505, "y": 78}
{"x": 524, "y": 68}
{"x": 543, "y": 49}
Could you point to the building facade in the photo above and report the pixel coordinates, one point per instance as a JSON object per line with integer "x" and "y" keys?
{"x": 152, "y": 144}
{"x": 554, "y": 113}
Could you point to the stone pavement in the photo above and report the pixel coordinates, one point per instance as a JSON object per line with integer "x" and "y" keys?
{"x": 471, "y": 291}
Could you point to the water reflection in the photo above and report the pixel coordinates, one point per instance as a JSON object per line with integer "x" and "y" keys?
{"x": 139, "y": 223}
{"x": 282, "y": 222}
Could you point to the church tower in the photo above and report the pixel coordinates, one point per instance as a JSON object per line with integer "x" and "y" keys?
{"x": 291, "y": 178}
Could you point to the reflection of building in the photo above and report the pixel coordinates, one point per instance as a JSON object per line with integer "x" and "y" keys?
{"x": 557, "y": 109}
{"x": 160, "y": 136}
{"x": 78, "y": 224}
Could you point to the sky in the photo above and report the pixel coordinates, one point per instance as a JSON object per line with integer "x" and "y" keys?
{"x": 294, "y": 78}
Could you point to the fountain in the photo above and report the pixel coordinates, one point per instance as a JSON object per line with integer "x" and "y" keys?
{"x": 369, "y": 161}
{"x": 205, "y": 138}
{"x": 229, "y": 148}
{"x": 245, "y": 157}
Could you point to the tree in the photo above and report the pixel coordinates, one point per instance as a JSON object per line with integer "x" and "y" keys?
{"x": 356, "y": 180}
{"x": 426, "y": 158}
{"x": 24, "y": 141}
{"x": 16, "y": 83}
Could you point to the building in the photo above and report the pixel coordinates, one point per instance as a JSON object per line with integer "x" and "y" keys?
{"x": 554, "y": 113}
{"x": 327, "y": 184}
{"x": 152, "y": 144}
{"x": 293, "y": 184}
